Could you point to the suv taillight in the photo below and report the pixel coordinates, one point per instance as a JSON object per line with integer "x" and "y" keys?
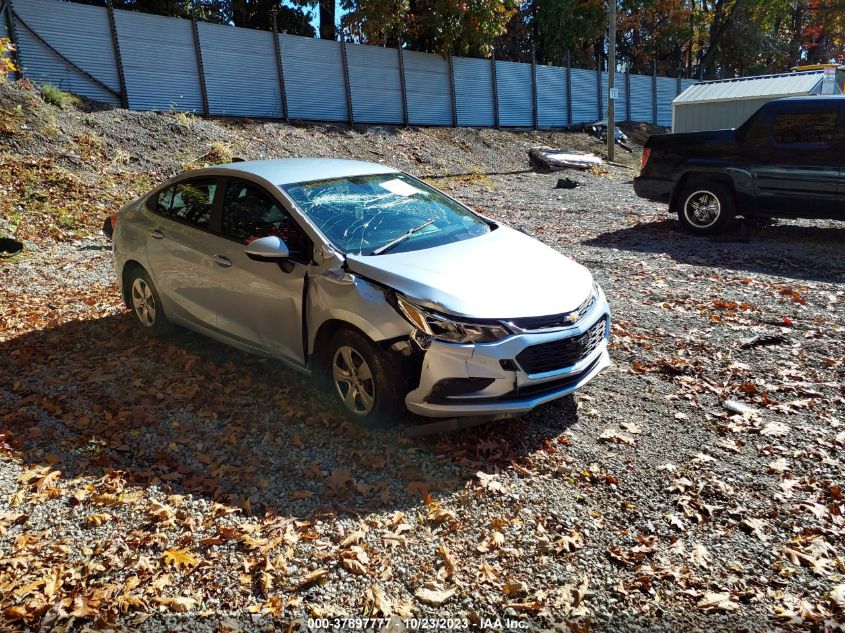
{"x": 646, "y": 154}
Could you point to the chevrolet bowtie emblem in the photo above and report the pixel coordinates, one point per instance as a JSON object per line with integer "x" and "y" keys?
{"x": 573, "y": 316}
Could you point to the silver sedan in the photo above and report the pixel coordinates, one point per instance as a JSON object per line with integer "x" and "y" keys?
{"x": 391, "y": 294}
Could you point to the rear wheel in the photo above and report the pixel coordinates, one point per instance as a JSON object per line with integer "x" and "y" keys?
{"x": 145, "y": 303}
{"x": 706, "y": 207}
{"x": 364, "y": 381}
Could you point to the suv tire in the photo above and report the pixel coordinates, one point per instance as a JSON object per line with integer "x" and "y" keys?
{"x": 705, "y": 208}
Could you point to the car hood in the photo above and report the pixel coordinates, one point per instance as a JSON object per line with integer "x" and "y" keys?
{"x": 502, "y": 274}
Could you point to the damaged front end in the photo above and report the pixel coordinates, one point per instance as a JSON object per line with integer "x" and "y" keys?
{"x": 489, "y": 367}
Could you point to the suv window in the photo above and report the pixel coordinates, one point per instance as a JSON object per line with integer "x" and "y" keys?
{"x": 250, "y": 212}
{"x": 804, "y": 127}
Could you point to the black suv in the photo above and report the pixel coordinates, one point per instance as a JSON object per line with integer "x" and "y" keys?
{"x": 787, "y": 159}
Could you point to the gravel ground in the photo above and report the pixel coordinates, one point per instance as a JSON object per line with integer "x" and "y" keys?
{"x": 183, "y": 485}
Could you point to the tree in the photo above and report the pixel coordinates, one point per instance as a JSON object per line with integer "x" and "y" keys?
{"x": 328, "y": 19}
{"x": 459, "y": 27}
{"x": 6, "y": 64}
{"x": 258, "y": 14}
{"x": 568, "y": 26}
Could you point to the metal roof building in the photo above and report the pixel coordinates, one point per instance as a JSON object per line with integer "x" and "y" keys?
{"x": 727, "y": 103}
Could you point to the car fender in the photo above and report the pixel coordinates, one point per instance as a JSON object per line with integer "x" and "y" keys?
{"x": 337, "y": 295}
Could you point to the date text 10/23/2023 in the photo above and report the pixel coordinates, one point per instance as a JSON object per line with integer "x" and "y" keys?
{"x": 413, "y": 624}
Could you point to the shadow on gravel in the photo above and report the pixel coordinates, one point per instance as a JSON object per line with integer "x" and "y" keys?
{"x": 97, "y": 398}
{"x": 799, "y": 252}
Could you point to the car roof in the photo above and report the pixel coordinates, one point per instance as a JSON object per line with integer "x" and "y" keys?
{"x": 286, "y": 171}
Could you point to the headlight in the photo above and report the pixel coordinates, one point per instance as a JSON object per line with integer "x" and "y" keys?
{"x": 444, "y": 328}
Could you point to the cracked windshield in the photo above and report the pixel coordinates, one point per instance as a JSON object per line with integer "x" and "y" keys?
{"x": 371, "y": 215}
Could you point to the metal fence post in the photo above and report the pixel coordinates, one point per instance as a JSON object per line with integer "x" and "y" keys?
{"x": 535, "y": 112}
{"x": 495, "y": 90}
{"x": 13, "y": 38}
{"x": 568, "y": 88}
{"x": 118, "y": 59}
{"x": 346, "y": 84}
{"x": 280, "y": 69}
{"x": 402, "y": 83}
{"x": 627, "y": 94}
{"x": 654, "y": 92}
{"x": 453, "y": 92}
{"x": 200, "y": 69}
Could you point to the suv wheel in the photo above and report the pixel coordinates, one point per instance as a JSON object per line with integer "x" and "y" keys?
{"x": 705, "y": 208}
{"x": 364, "y": 381}
{"x": 142, "y": 298}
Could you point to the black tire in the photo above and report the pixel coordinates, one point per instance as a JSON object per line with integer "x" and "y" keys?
{"x": 706, "y": 208}
{"x": 374, "y": 394}
{"x": 143, "y": 300}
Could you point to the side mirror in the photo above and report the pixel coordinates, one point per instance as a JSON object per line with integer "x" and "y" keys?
{"x": 271, "y": 248}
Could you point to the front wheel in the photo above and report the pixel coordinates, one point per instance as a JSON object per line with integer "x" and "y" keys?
{"x": 705, "y": 208}
{"x": 364, "y": 381}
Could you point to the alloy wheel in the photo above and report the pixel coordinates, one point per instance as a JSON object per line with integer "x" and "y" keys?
{"x": 143, "y": 302}
{"x": 353, "y": 380}
{"x": 702, "y": 209}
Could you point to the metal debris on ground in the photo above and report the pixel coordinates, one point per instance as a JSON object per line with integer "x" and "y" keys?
{"x": 561, "y": 158}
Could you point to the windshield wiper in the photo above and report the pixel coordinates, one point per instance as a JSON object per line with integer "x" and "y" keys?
{"x": 401, "y": 238}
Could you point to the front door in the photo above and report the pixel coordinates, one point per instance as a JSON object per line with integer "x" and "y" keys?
{"x": 797, "y": 170}
{"x": 259, "y": 302}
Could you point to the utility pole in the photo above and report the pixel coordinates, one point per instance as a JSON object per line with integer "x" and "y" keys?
{"x": 611, "y": 81}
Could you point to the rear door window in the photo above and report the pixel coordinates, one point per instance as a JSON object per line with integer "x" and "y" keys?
{"x": 804, "y": 127}
{"x": 192, "y": 202}
{"x": 161, "y": 202}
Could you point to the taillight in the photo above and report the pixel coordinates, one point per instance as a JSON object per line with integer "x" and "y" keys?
{"x": 646, "y": 154}
{"x": 114, "y": 217}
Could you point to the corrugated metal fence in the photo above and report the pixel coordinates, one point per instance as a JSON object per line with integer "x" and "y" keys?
{"x": 150, "y": 62}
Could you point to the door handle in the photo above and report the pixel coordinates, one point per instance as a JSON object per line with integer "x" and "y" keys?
{"x": 157, "y": 233}
{"x": 223, "y": 262}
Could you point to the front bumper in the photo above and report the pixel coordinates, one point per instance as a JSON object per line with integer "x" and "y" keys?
{"x": 509, "y": 389}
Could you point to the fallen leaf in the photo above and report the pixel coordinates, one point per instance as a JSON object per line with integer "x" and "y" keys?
{"x": 700, "y": 556}
{"x": 353, "y": 538}
{"x": 492, "y": 542}
{"x": 712, "y": 601}
{"x": 48, "y": 481}
{"x": 610, "y": 435}
{"x": 837, "y": 594}
{"x": 377, "y": 603}
{"x": 312, "y": 577}
{"x": 448, "y": 559}
{"x": 434, "y": 597}
{"x": 775, "y": 429}
{"x": 180, "y": 604}
{"x": 97, "y": 519}
{"x": 179, "y": 558}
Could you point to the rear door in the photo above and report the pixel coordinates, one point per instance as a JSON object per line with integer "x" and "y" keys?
{"x": 797, "y": 169}
{"x": 177, "y": 248}
{"x": 259, "y": 302}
